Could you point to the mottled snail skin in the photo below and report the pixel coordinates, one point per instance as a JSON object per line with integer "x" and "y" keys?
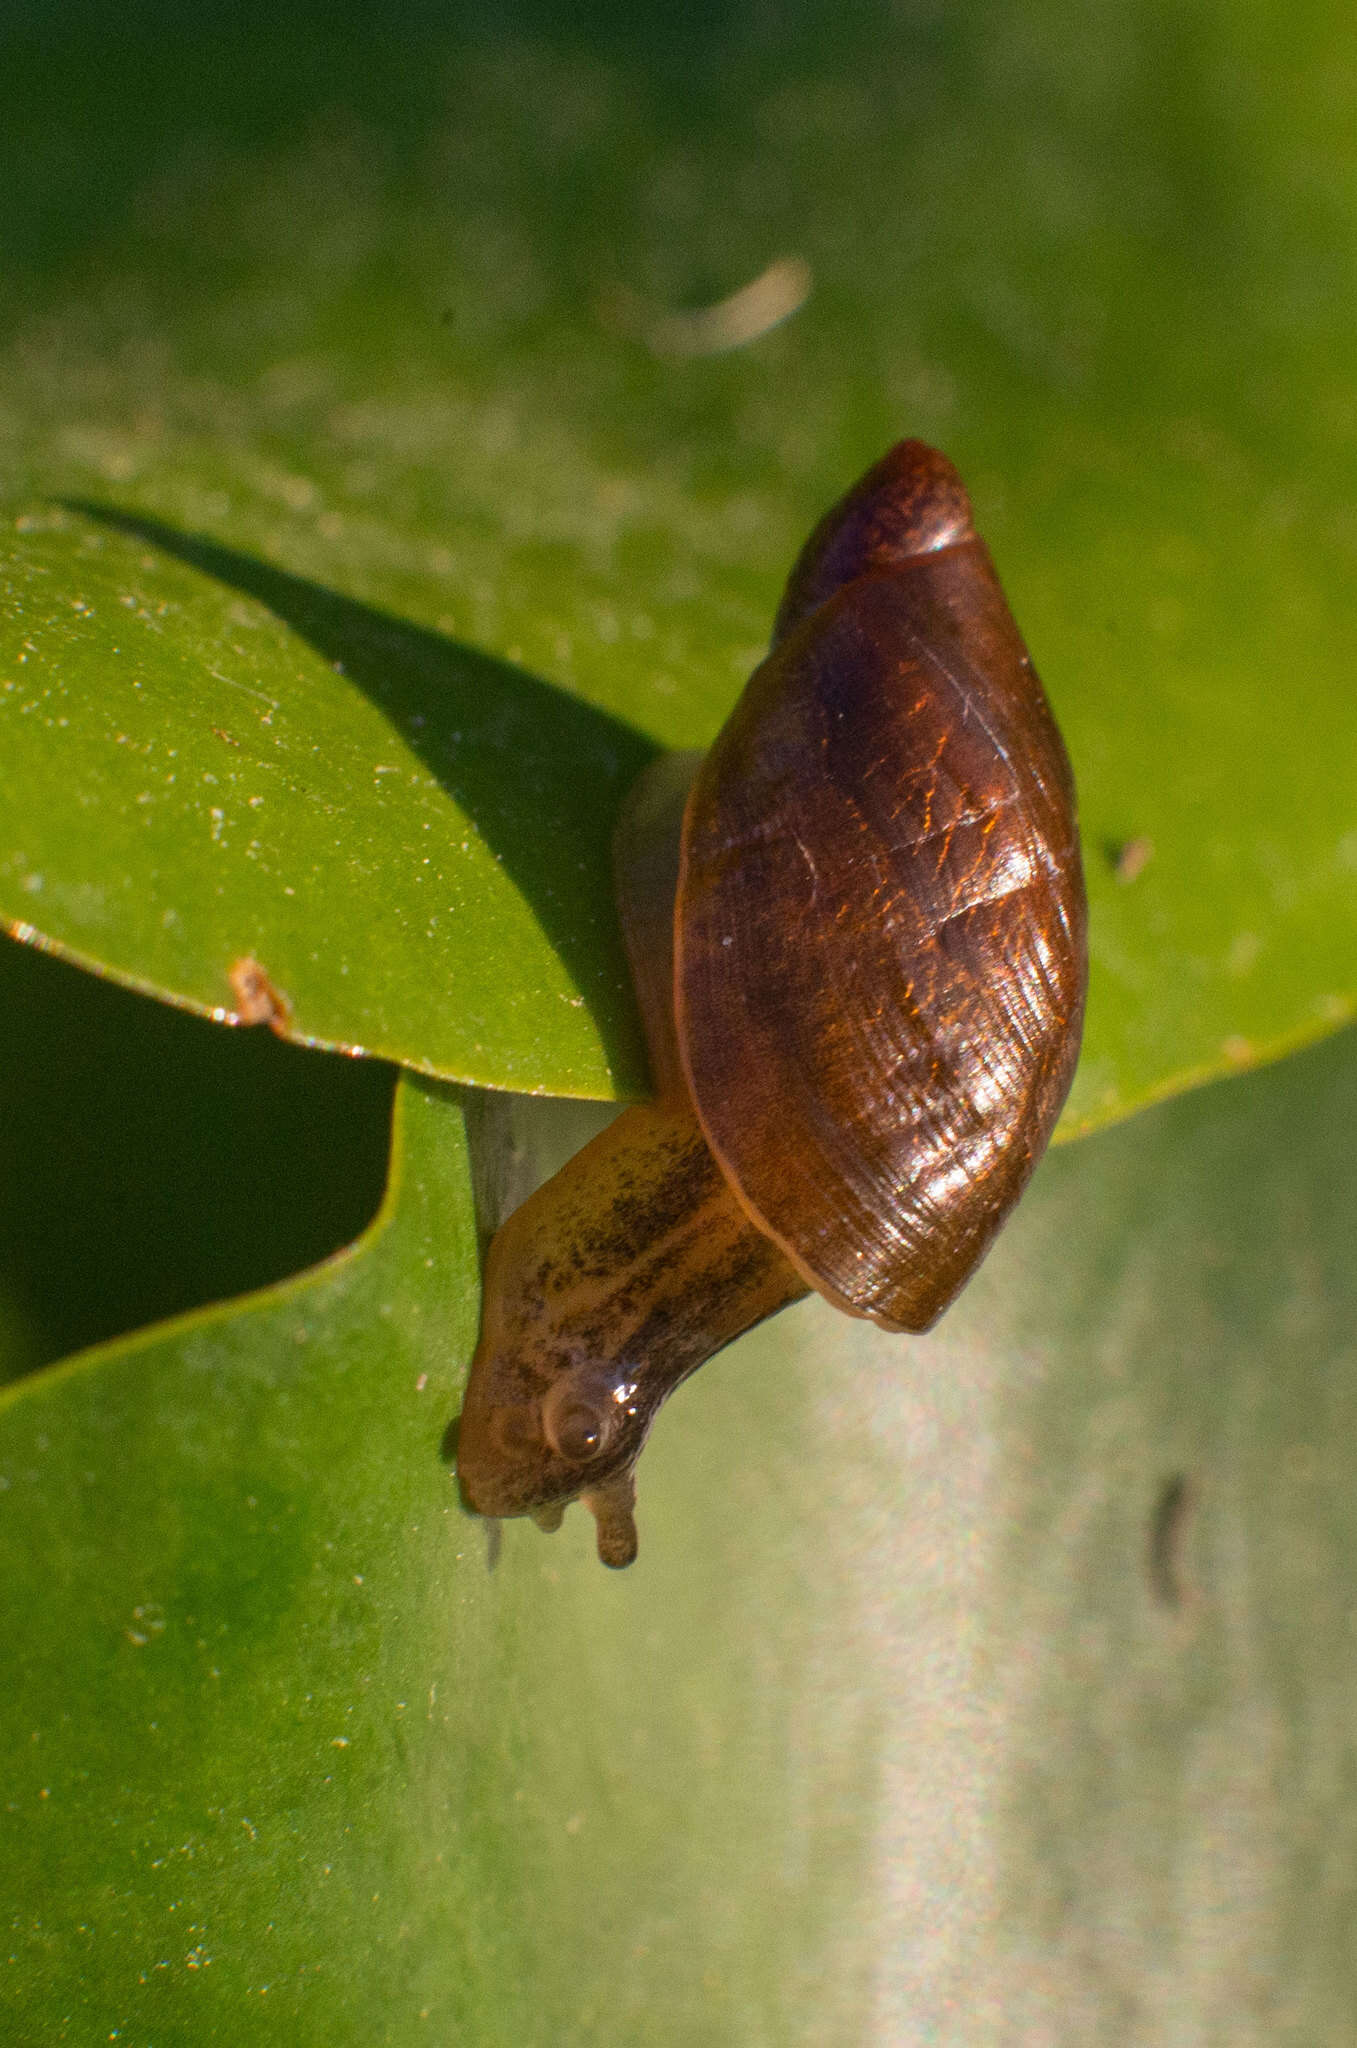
{"x": 863, "y": 1013}
{"x": 630, "y": 1268}
{"x": 640, "y": 1265}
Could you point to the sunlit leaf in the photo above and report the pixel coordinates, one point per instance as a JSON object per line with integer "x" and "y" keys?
{"x": 397, "y": 389}
{"x": 1006, "y": 1671}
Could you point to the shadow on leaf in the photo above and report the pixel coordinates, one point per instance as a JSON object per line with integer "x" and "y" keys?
{"x": 539, "y": 772}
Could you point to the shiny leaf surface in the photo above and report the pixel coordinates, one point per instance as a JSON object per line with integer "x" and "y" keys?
{"x": 963, "y": 1683}
{"x": 373, "y": 351}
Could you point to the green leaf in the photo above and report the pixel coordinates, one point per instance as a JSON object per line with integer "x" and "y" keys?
{"x": 920, "y": 1704}
{"x": 1166, "y": 1638}
{"x": 185, "y": 768}
{"x": 237, "y": 1533}
{"x": 1002, "y": 1672}
{"x": 373, "y": 329}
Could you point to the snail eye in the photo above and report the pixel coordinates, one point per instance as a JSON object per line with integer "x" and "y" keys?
{"x": 579, "y": 1433}
{"x": 575, "y": 1428}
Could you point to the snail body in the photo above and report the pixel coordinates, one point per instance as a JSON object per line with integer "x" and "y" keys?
{"x": 861, "y": 962}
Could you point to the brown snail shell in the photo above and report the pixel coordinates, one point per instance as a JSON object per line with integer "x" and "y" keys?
{"x": 879, "y": 1095}
{"x": 863, "y": 1017}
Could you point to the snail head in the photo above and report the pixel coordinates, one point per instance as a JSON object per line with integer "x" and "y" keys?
{"x": 529, "y": 1446}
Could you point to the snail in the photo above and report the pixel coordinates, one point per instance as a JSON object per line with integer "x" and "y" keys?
{"x": 858, "y": 935}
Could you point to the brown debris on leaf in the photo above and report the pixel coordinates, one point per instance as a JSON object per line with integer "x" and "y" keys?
{"x": 257, "y": 1000}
